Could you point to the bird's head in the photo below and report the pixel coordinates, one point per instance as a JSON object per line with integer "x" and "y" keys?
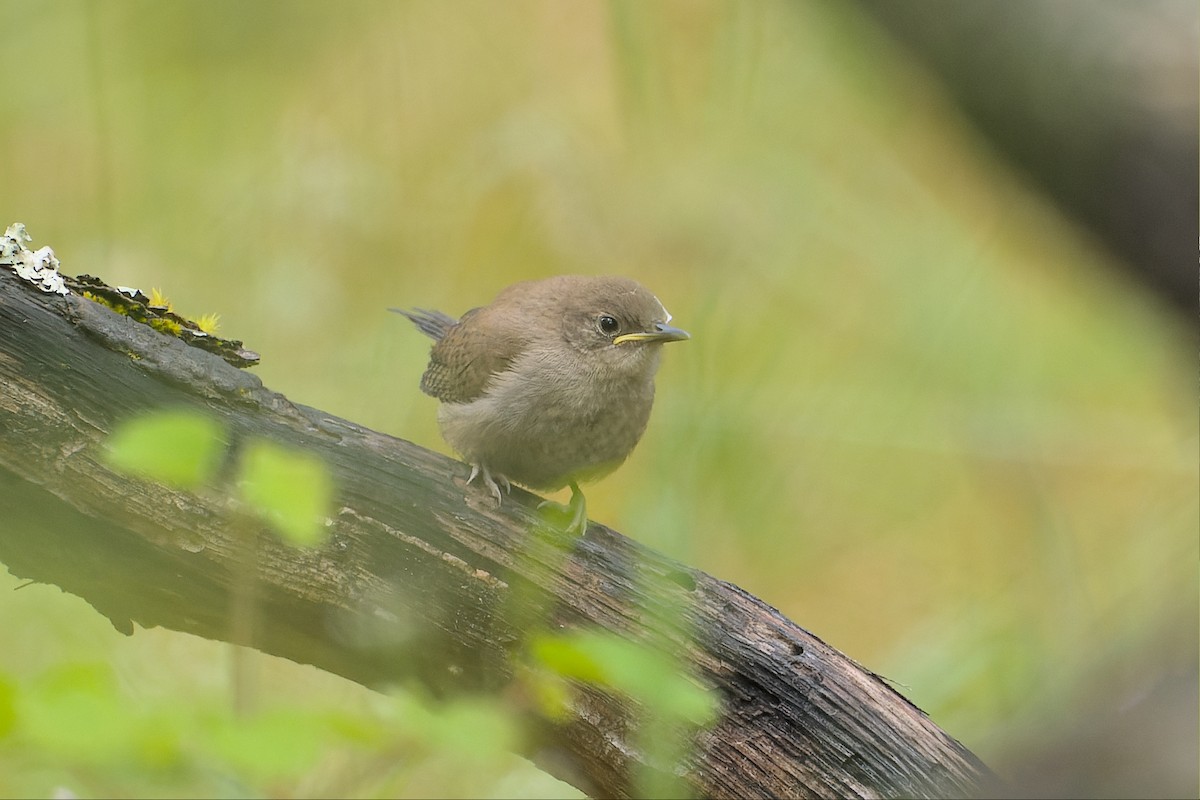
{"x": 615, "y": 322}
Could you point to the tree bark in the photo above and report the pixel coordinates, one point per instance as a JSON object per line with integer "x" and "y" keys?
{"x": 422, "y": 577}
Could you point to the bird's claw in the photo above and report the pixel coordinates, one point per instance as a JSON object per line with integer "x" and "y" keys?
{"x": 492, "y": 482}
{"x": 576, "y": 507}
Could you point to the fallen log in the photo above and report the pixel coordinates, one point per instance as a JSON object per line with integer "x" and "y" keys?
{"x": 421, "y": 577}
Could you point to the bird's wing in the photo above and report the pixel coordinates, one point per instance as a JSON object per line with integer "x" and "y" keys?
{"x": 468, "y": 355}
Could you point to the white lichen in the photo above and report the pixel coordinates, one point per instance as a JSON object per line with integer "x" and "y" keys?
{"x": 39, "y": 267}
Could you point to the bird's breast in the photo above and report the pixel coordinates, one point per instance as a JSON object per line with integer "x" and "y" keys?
{"x": 549, "y": 420}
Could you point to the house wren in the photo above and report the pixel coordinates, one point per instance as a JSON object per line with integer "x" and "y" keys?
{"x": 549, "y": 385}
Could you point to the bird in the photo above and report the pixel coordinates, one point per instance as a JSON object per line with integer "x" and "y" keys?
{"x": 549, "y": 385}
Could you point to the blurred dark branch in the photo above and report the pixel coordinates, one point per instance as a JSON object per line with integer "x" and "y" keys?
{"x": 1095, "y": 100}
{"x": 422, "y": 578}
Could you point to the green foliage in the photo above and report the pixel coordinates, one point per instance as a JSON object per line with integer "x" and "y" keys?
{"x": 291, "y": 490}
{"x": 8, "y": 712}
{"x": 76, "y": 713}
{"x": 669, "y": 705}
{"x": 177, "y": 447}
{"x": 647, "y": 675}
{"x": 79, "y": 721}
{"x": 273, "y": 745}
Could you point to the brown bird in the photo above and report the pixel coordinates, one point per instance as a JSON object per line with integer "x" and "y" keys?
{"x": 549, "y": 385}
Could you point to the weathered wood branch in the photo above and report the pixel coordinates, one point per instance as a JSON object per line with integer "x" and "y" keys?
{"x": 422, "y": 577}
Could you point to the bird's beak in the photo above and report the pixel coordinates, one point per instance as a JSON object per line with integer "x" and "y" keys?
{"x": 661, "y": 333}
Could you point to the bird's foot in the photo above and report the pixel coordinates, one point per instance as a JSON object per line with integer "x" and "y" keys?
{"x": 576, "y": 507}
{"x": 492, "y": 482}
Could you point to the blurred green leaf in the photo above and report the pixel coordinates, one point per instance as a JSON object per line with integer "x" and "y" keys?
{"x": 177, "y": 447}
{"x": 648, "y": 676}
{"x": 8, "y": 712}
{"x": 478, "y": 730}
{"x": 270, "y": 745}
{"x": 290, "y": 489}
{"x": 76, "y": 712}
{"x": 654, "y": 680}
{"x": 564, "y": 656}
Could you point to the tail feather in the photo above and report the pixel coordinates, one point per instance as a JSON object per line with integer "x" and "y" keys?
{"x": 433, "y": 324}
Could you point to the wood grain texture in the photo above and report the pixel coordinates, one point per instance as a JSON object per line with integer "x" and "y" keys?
{"x": 422, "y": 577}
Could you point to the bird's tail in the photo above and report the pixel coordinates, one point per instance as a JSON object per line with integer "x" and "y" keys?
{"x": 433, "y": 324}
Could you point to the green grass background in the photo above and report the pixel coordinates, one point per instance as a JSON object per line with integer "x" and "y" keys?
{"x": 921, "y": 412}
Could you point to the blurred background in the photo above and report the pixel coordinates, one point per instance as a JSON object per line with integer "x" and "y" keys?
{"x": 939, "y": 406}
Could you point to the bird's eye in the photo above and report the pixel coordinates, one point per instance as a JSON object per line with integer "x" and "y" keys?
{"x": 608, "y": 325}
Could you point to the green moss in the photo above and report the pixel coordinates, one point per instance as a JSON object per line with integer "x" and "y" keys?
{"x": 104, "y": 301}
{"x": 164, "y": 326}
